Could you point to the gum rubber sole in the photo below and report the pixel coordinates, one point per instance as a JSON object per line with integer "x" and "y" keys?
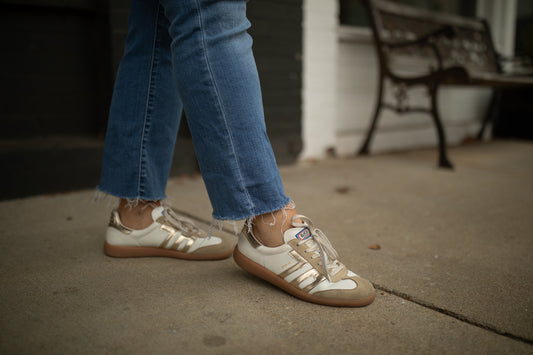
{"x": 257, "y": 270}
{"x": 135, "y": 252}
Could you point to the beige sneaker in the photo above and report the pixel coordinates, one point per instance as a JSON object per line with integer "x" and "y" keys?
{"x": 306, "y": 266}
{"x": 169, "y": 235}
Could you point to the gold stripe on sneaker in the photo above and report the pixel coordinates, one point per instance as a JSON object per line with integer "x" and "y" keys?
{"x": 310, "y": 273}
{"x": 187, "y": 246}
{"x": 171, "y": 233}
{"x": 315, "y": 274}
{"x": 314, "y": 284}
{"x": 292, "y": 269}
{"x": 300, "y": 263}
{"x": 178, "y": 241}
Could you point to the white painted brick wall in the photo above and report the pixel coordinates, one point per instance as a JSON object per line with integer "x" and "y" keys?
{"x": 319, "y": 79}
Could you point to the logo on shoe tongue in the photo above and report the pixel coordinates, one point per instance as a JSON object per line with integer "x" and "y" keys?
{"x": 303, "y": 234}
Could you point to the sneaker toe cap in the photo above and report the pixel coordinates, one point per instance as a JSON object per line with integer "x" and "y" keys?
{"x": 363, "y": 294}
{"x": 222, "y": 246}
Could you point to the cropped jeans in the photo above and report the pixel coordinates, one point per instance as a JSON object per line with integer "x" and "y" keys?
{"x": 196, "y": 56}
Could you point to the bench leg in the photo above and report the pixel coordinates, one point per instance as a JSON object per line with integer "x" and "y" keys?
{"x": 444, "y": 162}
{"x": 365, "y": 148}
{"x": 492, "y": 112}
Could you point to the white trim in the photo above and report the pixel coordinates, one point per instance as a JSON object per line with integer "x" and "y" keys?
{"x": 354, "y": 34}
{"x": 501, "y": 16}
{"x": 320, "y": 50}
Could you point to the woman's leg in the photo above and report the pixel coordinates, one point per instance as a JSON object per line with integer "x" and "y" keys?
{"x": 218, "y": 83}
{"x": 145, "y": 111}
{"x": 142, "y": 130}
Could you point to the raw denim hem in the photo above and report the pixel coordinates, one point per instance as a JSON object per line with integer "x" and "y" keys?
{"x": 103, "y": 195}
{"x": 252, "y": 214}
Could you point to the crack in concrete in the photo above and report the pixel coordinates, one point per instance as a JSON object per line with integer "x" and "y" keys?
{"x": 453, "y": 314}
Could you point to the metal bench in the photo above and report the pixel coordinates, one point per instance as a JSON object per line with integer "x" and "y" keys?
{"x": 417, "y": 47}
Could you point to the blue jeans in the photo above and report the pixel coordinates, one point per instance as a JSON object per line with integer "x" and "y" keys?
{"x": 196, "y": 56}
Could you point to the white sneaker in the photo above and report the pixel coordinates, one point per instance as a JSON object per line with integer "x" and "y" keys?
{"x": 169, "y": 235}
{"x": 297, "y": 267}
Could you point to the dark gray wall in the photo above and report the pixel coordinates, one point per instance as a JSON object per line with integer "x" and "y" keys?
{"x": 57, "y": 69}
{"x": 54, "y": 74}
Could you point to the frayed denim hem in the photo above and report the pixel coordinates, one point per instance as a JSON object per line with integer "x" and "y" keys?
{"x": 218, "y": 223}
{"x": 252, "y": 214}
{"x": 102, "y": 196}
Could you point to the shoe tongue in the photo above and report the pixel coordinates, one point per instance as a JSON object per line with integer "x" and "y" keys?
{"x": 298, "y": 233}
{"x": 157, "y": 212}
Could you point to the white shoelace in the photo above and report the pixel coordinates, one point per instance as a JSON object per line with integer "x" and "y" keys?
{"x": 185, "y": 225}
{"x": 320, "y": 245}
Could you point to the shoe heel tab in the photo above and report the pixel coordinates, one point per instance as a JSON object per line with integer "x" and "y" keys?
{"x": 249, "y": 235}
{"x": 115, "y": 222}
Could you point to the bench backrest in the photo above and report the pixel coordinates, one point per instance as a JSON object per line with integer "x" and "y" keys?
{"x": 471, "y": 46}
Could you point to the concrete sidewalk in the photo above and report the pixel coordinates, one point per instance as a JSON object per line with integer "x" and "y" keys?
{"x": 454, "y": 269}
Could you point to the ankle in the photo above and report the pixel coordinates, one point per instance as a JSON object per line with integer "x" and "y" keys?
{"x": 137, "y": 215}
{"x": 269, "y": 228}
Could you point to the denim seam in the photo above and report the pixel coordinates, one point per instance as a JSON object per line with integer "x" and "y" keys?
{"x": 223, "y": 114}
{"x": 140, "y": 185}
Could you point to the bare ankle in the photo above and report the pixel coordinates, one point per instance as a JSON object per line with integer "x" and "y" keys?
{"x": 136, "y": 215}
{"x": 269, "y": 228}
